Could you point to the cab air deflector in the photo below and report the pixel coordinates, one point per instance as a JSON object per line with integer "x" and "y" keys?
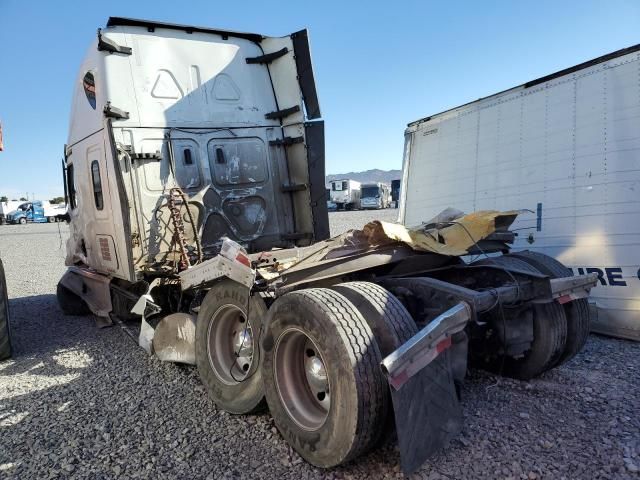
{"x": 305, "y": 73}
{"x": 151, "y": 25}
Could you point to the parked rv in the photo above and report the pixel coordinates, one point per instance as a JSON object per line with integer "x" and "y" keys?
{"x": 564, "y": 146}
{"x": 395, "y": 192}
{"x": 346, "y": 194}
{"x": 194, "y": 168}
{"x": 374, "y": 196}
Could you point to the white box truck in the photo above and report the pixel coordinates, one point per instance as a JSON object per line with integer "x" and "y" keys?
{"x": 566, "y": 147}
{"x": 345, "y": 193}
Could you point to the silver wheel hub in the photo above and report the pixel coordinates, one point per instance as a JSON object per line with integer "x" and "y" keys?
{"x": 230, "y": 344}
{"x": 301, "y": 379}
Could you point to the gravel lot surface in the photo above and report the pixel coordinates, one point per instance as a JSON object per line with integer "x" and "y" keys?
{"x": 79, "y": 402}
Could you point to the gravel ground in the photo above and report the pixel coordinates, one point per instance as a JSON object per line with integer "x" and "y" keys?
{"x": 342, "y": 221}
{"x": 78, "y": 402}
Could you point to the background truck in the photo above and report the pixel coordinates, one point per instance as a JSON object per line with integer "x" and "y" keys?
{"x": 6, "y": 208}
{"x": 345, "y": 194}
{"x": 36, "y": 211}
{"x": 395, "y": 192}
{"x": 374, "y": 196}
{"x": 196, "y": 189}
{"x": 566, "y": 147}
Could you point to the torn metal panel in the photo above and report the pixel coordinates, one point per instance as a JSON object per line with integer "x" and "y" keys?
{"x": 215, "y": 268}
{"x": 445, "y": 234}
{"x": 92, "y": 287}
{"x": 443, "y": 238}
{"x": 174, "y": 339}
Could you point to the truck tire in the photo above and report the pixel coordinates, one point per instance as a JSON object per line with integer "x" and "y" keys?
{"x": 228, "y": 349}
{"x": 323, "y": 382}
{"x": 70, "y": 303}
{"x": 22, "y": 221}
{"x": 576, "y": 311}
{"x": 5, "y": 333}
{"x": 51, "y": 219}
{"x": 549, "y": 332}
{"x": 390, "y": 322}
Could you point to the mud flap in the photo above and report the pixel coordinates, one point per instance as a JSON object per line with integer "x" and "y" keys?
{"x": 427, "y": 413}
{"x": 422, "y": 376}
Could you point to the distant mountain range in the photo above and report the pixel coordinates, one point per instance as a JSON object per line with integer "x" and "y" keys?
{"x": 369, "y": 176}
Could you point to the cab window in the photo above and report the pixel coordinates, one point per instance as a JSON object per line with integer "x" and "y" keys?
{"x": 97, "y": 185}
{"x": 71, "y": 187}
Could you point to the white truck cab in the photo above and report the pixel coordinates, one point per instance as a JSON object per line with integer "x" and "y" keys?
{"x": 223, "y": 116}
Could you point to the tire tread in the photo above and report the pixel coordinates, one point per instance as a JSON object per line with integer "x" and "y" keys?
{"x": 5, "y": 334}
{"x": 372, "y": 398}
{"x": 576, "y": 311}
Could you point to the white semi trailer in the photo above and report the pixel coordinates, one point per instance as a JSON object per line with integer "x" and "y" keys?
{"x": 345, "y": 193}
{"x": 566, "y": 147}
{"x": 195, "y": 182}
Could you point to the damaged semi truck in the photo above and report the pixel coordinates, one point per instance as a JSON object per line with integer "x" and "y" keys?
{"x": 195, "y": 181}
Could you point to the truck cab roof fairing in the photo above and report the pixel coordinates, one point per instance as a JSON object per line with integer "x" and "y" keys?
{"x": 151, "y": 25}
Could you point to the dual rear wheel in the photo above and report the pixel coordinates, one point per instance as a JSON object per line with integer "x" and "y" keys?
{"x": 559, "y": 331}
{"x": 317, "y": 364}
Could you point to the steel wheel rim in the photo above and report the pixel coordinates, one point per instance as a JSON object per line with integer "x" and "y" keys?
{"x": 301, "y": 379}
{"x": 230, "y": 344}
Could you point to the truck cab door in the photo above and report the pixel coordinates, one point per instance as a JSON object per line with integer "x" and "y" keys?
{"x": 97, "y": 234}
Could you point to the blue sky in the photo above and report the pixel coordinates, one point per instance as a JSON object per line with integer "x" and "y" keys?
{"x": 379, "y": 65}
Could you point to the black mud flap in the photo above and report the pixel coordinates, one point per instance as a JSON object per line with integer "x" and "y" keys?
{"x": 422, "y": 375}
{"x": 427, "y": 412}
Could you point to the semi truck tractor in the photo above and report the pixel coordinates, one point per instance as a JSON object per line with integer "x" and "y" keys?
{"x": 565, "y": 147}
{"x": 6, "y": 208}
{"x": 36, "y": 211}
{"x": 375, "y": 196}
{"x": 195, "y": 181}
